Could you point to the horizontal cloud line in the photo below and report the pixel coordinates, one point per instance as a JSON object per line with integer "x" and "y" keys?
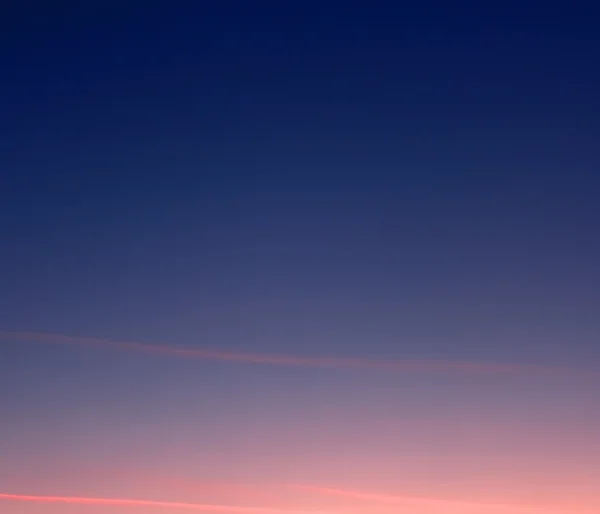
{"x": 394, "y": 365}
{"x": 406, "y": 501}
{"x": 118, "y": 502}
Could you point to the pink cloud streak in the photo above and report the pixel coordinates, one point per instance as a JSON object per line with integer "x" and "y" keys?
{"x": 118, "y": 502}
{"x": 395, "y": 365}
{"x": 444, "y": 504}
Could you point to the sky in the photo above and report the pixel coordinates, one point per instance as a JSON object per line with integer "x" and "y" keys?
{"x": 294, "y": 259}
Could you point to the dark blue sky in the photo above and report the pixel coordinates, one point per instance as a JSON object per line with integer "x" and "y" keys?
{"x": 382, "y": 182}
{"x": 427, "y": 168}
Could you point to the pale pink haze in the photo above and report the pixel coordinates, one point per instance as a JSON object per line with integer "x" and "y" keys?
{"x": 352, "y": 502}
{"x": 328, "y": 458}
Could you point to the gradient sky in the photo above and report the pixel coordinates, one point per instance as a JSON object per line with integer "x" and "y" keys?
{"x": 306, "y": 258}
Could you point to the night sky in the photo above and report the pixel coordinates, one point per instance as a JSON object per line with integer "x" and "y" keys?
{"x": 299, "y": 258}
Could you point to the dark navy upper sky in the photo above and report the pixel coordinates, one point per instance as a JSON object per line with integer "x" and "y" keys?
{"x": 377, "y": 180}
{"x": 304, "y": 175}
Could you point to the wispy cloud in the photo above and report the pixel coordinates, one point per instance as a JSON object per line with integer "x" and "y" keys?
{"x": 392, "y": 365}
{"x": 438, "y": 505}
{"x": 118, "y": 502}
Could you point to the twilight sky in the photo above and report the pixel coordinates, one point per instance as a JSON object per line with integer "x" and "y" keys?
{"x": 305, "y": 258}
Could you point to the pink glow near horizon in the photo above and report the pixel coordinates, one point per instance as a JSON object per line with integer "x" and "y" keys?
{"x": 285, "y": 455}
{"x": 351, "y": 502}
{"x": 443, "y": 506}
{"x": 119, "y": 502}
